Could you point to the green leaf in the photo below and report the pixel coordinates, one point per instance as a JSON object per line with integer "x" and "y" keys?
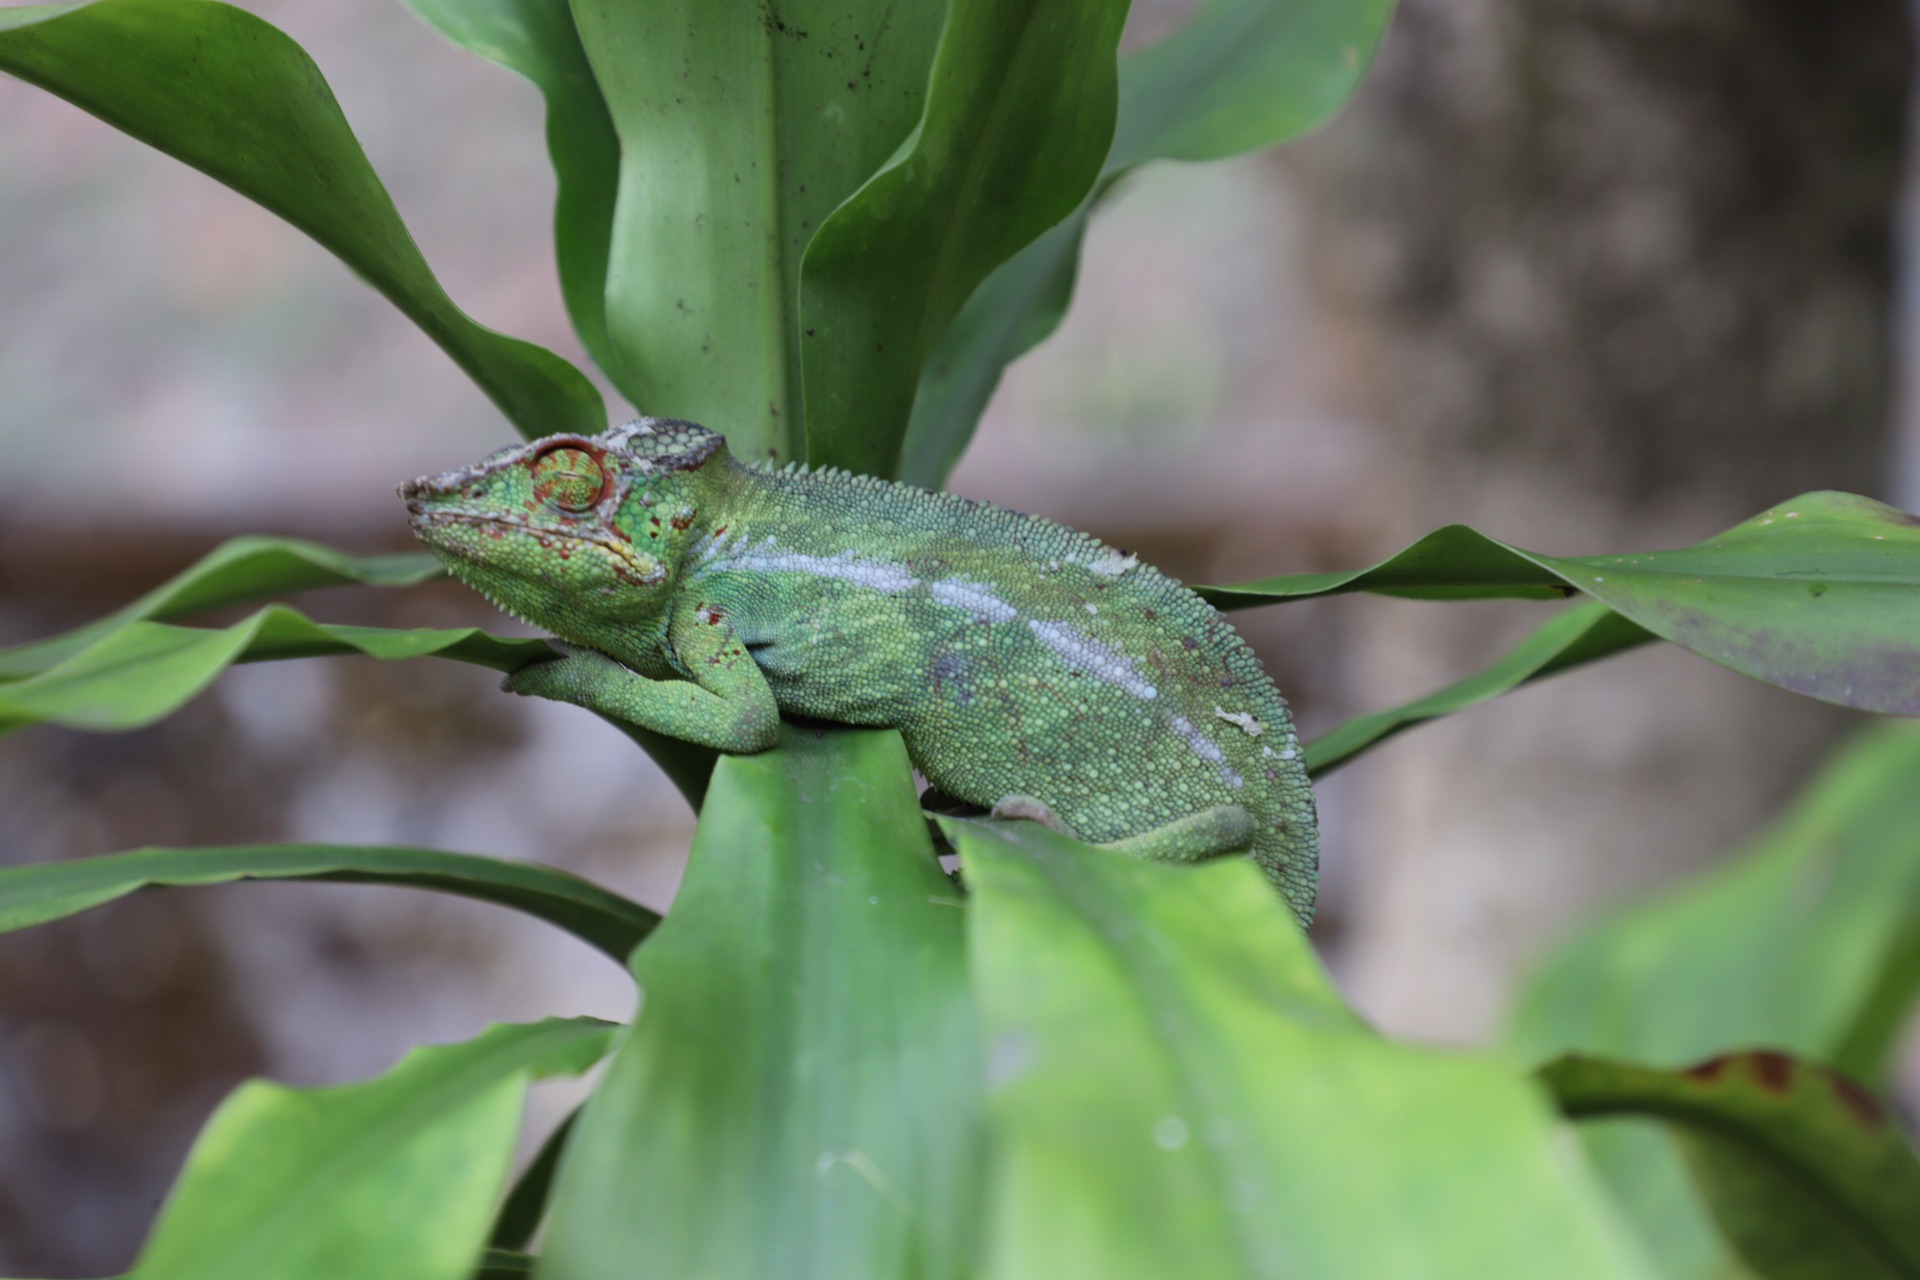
{"x": 35, "y": 894}
{"x": 1009, "y": 315}
{"x": 1177, "y": 1090}
{"x": 1019, "y": 116}
{"x": 1454, "y": 563}
{"x": 241, "y": 569}
{"x": 1805, "y": 940}
{"x": 147, "y": 670}
{"x": 537, "y": 39}
{"x": 1240, "y": 75}
{"x": 1791, "y": 943}
{"x": 1819, "y": 595}
{"x": 393, "y": 1179}
{"x": 232, "y": 96}
{"x": 741, "y": 128}
{"x": 504, "y": 1264}
{"x": 525, "y": 1207}
{"x": 799, "y": 1093}
{"x": 1806, "y": 1172}
{"x": 1571, "y": 638}
{"x": 136, "y": 678}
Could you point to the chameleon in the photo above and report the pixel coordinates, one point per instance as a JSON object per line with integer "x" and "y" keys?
{"x": 1032, "y": 670}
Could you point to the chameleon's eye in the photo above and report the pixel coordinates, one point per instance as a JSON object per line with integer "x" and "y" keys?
{"x": 571, "y": 479}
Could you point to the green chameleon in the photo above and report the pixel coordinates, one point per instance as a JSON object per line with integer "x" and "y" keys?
{"x": 1031, "y": 670}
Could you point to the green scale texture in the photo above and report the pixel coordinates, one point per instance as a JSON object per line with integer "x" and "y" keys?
{"x": 1017, "y": 657}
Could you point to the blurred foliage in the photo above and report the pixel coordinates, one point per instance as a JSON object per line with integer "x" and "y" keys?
{"x": 829, "y": 228}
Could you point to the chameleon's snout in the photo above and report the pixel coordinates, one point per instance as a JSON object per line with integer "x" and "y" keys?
{"x": 417, "y": 492}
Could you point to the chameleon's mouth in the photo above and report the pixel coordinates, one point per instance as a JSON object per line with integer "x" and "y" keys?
{"x": 436, "y": 527}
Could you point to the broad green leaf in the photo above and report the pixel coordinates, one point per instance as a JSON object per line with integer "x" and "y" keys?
{"x": 1806, "y": 1171}
{"x": 1801, "y": 941}
{"x": 1804, "y": 941}
{"x": 232, "y": 96}
{"x": 145, "y": 671}
{"x": 1571, "y": 638}
{"x": 1019, "y": 116}
{"x": 1009, "y": 315}
{"x": 393, "y": 1179}
{"x": 1240, "y": 75}
{"x": 741, "y": 127}
{"x": 537, "y": 39}
{"x": 1819, "y": 595}
{"x": 241, "y": 569}
{"x": 1176, "y": 1090}
{"x": 40, "y": 892}
{"x": 799, "y": 1093}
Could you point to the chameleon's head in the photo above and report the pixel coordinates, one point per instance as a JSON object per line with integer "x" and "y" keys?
{"x": 579, "y": 535}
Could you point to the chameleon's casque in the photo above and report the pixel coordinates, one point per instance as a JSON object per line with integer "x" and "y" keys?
{"x": 1027, "y": 666}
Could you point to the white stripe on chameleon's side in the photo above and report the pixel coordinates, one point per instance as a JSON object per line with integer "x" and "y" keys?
{"x": 724, "y": 553}
{"x": 958, "y": 593}
{"x": 1089, "y": 655}
{"x": 720, "y": 556}
{"x": 1206, "y": 749}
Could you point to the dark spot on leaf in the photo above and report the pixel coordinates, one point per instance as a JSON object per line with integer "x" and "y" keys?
{"x": 1709, "y": 1071}
{"x": 1773, "y": 1070}
{"x": 1865, "y": 1107}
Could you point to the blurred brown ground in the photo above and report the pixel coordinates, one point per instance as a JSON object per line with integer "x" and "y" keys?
{"x": 1278, "y": 363}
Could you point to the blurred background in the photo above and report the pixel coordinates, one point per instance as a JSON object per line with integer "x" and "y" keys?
{"x": 1595, "y": 277}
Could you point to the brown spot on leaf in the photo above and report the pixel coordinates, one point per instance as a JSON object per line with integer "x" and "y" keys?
{"x": 1709, "y": 1071}
{"x": 1773, "y": 1070}
{"x": 1865, "y": 1107}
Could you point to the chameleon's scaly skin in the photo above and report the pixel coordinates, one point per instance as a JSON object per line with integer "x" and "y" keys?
{"x": 1021, "y": 661}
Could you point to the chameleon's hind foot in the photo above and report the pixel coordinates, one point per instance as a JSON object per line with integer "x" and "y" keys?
{"x": 1211, "y": 833}
{"x": 1033, "y": 811}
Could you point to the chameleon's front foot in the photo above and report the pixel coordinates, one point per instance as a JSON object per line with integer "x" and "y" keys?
{"x": 576, "y": 677}
{"x": 732, "y": 711}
